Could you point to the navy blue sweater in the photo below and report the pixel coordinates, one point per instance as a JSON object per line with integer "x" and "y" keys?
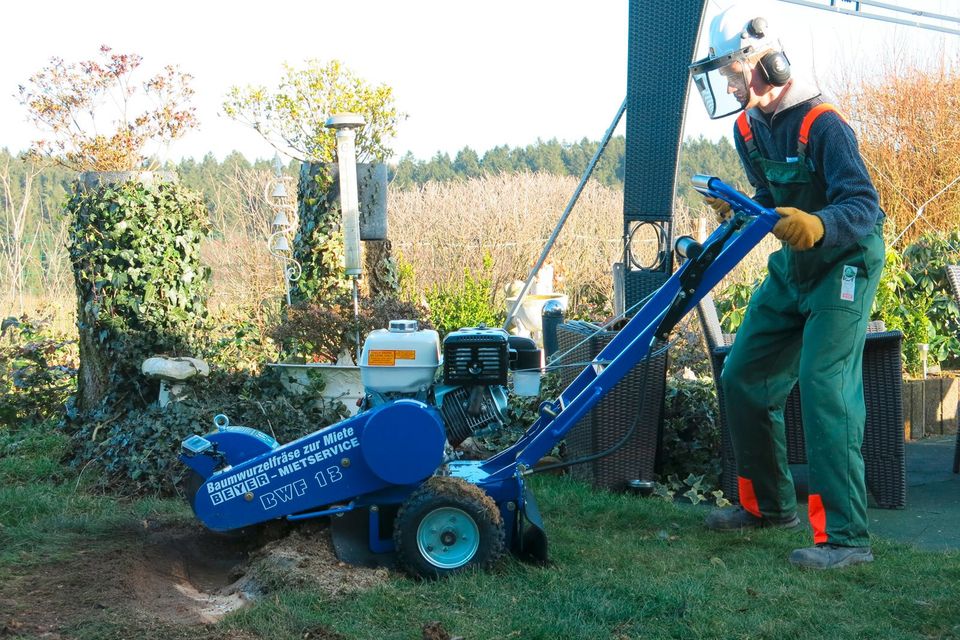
{"x": 852, "y": 207}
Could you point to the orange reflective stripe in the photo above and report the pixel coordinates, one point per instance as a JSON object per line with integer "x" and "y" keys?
{"x": 818, "y": 518}
{"x": 748, "y": 499}
{"x": 811, "y": 116}
{"x": 743, "y": 125}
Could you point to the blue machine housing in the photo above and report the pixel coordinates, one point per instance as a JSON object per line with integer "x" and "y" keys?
{"x": 251, "y": 479}
{"x": 383, "y": 455}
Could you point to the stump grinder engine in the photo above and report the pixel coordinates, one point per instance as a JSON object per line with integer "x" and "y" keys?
{"x": 389, "y": 477}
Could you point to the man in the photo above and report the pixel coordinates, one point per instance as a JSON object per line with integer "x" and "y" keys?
{"x": 808, "y": 319}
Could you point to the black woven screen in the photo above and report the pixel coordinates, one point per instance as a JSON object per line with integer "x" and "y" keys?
{"x": 662, "y": 42}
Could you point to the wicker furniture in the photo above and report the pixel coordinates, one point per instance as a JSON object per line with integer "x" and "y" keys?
{"x": 953, "y": 274}
{"x": 608, "y": 422}
{"x": 883, "y": 450}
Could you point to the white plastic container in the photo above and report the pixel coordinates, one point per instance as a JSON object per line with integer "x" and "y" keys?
{"x": 402, "y": 358}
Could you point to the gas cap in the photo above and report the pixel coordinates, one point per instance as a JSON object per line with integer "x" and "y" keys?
{"x": 403, "y": 326}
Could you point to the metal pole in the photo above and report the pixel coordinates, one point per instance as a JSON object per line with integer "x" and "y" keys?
{"x": 876, "y": 16}
{"x": 566, "y": 213}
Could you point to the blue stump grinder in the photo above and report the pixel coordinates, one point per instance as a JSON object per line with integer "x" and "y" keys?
{"x": 388, "y": 476}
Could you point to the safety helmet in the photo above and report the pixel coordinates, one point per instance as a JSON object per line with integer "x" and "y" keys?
{"x": 722, "y": 78}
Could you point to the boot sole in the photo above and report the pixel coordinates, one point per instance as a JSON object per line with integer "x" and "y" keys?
{"x": 763, "y": 524}
{"x": 846, "y": 562}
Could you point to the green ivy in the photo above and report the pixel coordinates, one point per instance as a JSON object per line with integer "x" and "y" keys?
{"x": 137, "y": 453}
{"x": 691, "y": 435}
{"x": 318, "y": 244}
{"x": 141, "y": 287}
{"x": 141, "y": 292}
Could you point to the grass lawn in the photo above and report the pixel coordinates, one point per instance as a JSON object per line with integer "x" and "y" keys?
{"x": 622, "y": 567}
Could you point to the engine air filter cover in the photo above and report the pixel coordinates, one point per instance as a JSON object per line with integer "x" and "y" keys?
{"x": 476, "y": 356}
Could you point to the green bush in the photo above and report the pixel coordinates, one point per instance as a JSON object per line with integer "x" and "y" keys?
{"x": 691, "y": 433}
{"x": 732, "y": 303}
{"x": 38, "y": 369}
{"x": 465, "y": 303}
{"x": 926, "y": 260}
{"x": 141, "y": 286}
{"x": 904, "y": 307}
{"x": 137, "y": 452}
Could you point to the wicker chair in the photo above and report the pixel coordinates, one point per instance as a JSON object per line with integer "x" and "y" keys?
{"x": 883, "y": 447}
{"x": 953, "y": 274}
{"x": 608, "y": 422}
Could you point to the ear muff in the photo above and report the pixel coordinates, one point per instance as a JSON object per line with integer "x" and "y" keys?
{"x": 775, "y": 68}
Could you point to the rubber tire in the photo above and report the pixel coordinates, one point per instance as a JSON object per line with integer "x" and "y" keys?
{"x": 439, "y": 492}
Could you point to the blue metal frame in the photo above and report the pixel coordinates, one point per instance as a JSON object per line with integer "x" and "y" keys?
{"x": 725, "y": 248}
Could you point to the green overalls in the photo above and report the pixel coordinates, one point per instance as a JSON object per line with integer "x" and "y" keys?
{"x": 807, "y": 321}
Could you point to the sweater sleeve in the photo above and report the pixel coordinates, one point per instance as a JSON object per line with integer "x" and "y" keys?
{"x": 762, "y": 193}
{"x": 853, "y": 207}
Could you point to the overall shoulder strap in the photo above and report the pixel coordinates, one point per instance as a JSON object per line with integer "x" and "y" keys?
{"x": 743, "y": 127}
{"x": 808, "y": 121}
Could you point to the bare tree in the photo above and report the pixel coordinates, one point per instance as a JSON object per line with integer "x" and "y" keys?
{"x": 15, "y": 248}
{"x": 910, "y": 139}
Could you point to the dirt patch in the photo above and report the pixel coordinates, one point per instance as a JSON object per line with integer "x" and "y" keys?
{"x": 304, "y": 558}
{"x": 171, "y": 577}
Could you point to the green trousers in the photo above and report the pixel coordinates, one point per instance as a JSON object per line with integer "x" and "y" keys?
{"x": 806, "y": 322}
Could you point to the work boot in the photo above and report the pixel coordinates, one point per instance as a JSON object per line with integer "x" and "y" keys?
{"x": 830, "y": 556}
{"x": 739, "y": 518}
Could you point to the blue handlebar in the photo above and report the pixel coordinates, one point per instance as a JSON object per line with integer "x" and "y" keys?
{"x": 716, "y": 188}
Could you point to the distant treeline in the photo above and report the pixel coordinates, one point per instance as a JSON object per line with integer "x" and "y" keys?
{"x": 696, "y": 156}
{"x": 226, "y": 196}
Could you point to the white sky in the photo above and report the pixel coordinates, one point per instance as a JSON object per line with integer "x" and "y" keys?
{"x": 480, "y": 73}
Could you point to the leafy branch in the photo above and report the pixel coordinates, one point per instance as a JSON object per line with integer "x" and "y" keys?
{"x": 99, "y": 118}
{"x": 293, "y": 117}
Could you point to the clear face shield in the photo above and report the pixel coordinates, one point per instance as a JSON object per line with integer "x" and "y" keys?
{"x": 723, "y": 82}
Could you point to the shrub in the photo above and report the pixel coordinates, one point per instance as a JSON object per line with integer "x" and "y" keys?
{"x": 137, "y": 453}
{"x": 926, "y": 260}
{"x": 322, "y": 332}
{"x": 691, "y": 434}
{"x": 99, "y": 117}
{"x": 465, "y": 303}
{"x": 732, "y": 303}
{"x": 294, "y": 115}
{"x": 902, "y": 306}
{"x": 38, "y": 368}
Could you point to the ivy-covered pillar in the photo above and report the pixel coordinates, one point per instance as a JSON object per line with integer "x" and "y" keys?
{"x": 318, "y": 244}
{"x": 141, "y": 289}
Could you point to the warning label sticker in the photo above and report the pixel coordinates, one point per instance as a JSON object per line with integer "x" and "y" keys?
{"x": 406, "y": 355}
{"x": 382, "y": 358}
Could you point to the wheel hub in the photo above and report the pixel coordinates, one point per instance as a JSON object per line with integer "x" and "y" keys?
{"x": 448, "y": 537}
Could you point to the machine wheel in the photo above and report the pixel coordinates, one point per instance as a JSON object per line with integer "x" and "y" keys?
{"x": 447, "y": 526}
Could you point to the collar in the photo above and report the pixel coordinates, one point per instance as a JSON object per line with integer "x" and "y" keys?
{"x": 794, "y": 93}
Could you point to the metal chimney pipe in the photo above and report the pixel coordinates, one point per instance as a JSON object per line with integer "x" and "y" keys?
{"x": 346, "y": 125}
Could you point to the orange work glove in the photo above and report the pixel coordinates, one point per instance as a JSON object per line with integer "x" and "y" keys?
{"x": 799, "y": 229}
{"x": 720, "y": 207}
